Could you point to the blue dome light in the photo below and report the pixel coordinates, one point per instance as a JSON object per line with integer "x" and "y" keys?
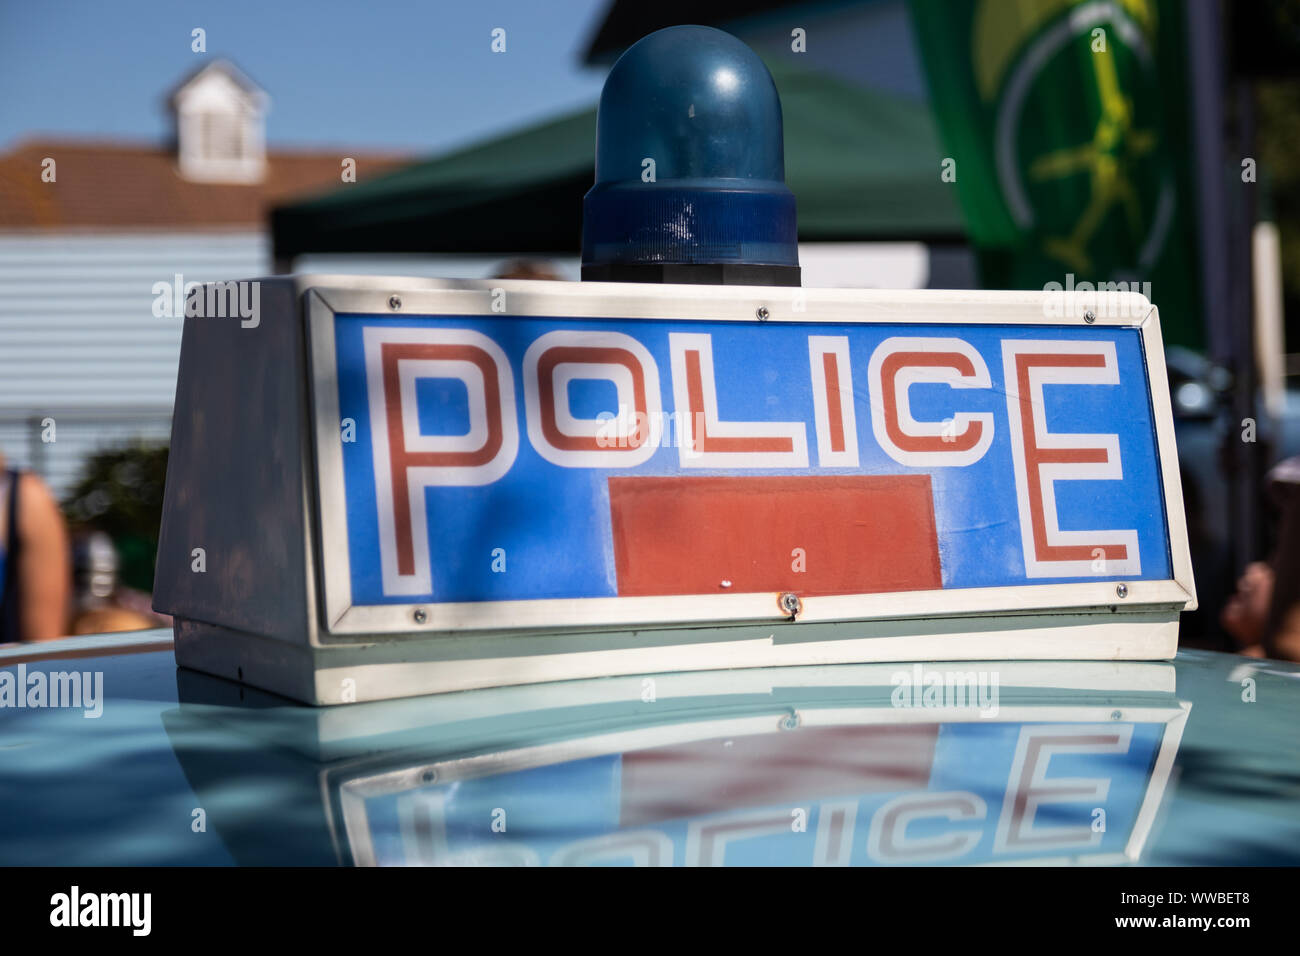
{"x": 690, "y": 167}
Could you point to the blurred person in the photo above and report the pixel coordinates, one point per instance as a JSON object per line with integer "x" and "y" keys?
{"x": 1245, "y": 616}
{"x": 98, "y": 599}
{"x": 1264, "y": 614}
{"x": 527, "y": 269}
{"x": 34, "y": 562}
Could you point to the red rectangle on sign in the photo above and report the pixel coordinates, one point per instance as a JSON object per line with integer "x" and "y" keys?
{"x": 852, "y": 534}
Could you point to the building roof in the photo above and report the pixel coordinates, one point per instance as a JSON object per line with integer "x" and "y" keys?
{"x": 108, "y": 185}
{"x": 625, "y": 22}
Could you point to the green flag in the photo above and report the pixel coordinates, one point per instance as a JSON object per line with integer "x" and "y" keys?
{"x": 1066, "y": 127}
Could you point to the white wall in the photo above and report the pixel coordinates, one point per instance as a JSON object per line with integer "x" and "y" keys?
{"x": 79, "y": 342}
{"x": 826, "y": 265}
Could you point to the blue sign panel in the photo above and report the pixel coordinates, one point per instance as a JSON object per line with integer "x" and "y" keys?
{"x": 493, "y": 458}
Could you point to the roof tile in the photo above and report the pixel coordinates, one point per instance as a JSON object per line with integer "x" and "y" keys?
{"x": 111, "y": 185}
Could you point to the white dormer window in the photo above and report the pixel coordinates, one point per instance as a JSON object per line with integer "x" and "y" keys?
{"x": 220, "y": 126}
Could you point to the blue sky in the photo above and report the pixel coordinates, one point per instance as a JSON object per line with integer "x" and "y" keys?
{"x": 375, "y": 74}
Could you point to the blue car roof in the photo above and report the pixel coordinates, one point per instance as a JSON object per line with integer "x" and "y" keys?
{"x": 1193, "y": 761}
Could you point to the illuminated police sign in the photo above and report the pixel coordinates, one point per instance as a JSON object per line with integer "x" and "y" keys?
{"x": 525, "y": 458}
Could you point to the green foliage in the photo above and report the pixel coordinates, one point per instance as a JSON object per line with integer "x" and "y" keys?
{"x": 121, "y": 492}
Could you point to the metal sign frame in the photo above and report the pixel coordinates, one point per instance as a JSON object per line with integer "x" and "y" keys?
{"x": 631, "y": 303}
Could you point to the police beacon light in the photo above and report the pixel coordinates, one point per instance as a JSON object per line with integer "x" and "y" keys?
{"x": 383, "y": 487}
{"x": 690, "y": 168}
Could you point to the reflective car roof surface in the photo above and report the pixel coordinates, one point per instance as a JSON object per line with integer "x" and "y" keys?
{"x": 110, "y": 755}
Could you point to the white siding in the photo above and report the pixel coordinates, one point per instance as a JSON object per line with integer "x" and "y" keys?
{"x": 826, "y": 265}
{"x": 79, "y": 342}
{"x": 434, "y": 266}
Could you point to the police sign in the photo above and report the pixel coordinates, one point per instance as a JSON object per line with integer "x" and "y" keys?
{"x": 479, "y": 480}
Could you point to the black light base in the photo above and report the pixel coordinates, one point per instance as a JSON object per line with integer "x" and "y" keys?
{"x": 694, "y": 274}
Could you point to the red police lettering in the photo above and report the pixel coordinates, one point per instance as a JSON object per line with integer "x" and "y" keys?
{"x": 1042, "y": 458}
{"x": 703, "y": 439}
{"x": 833, "y": 413}
{"x": 622, "y": 441}
{"x": 407, "y": 461}
{"x": 900, "y": 362}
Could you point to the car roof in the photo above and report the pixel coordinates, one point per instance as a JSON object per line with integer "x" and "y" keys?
{"x": 178, "y": 767}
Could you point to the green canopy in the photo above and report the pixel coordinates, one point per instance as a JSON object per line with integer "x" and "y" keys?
{"x": 862, "y": 165}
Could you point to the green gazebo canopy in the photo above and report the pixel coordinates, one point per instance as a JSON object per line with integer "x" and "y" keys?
{"x": 862, "y": 165}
